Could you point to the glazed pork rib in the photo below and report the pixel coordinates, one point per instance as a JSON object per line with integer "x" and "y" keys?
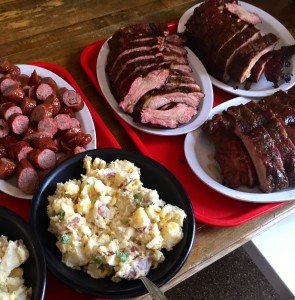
{"x": 223, "y": 35}
{"x": 263, "y": 134}
{"x": 235, "y": 163}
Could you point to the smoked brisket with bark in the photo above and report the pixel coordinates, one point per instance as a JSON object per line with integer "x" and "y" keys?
{"x": 263, "y": 133}
{"x": 150, "y": 76}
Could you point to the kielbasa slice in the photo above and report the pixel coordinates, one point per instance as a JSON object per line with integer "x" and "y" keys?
{"x": 4, "y": 64}
{"x": 63, "y": 121}
{"x": 19, "y": 123}
{"x": 45, "y": 143}
{"x": 27, "y": 105}
{"x": 27, "y": 177}
{"x": 40, "y": 112}
{"x": 14, "y": 94}
{"x": 42, "y": 158}
{"x": 4, "y": 128}
{"x": 43, "y": 91}
{"x": 73, "y": 100}
{"x": 7, "y": 82}
{"x": 19, "y": 150}
{"x": 34, "y": 78}
{"x": 55, "y": 103}
{"x": 7, "y": 167}
{"x": 67, "y": 110}
{"x": 51, "y": 82}
{"x": 7, "y": 109}
{"x": 2, "y": 151}
{"x": 36, "y": 134}
{"x": 48, "y": 124}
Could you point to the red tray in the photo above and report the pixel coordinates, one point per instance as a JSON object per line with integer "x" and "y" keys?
{"x": 210, "y": 207}
{"x": 105, "y": 139}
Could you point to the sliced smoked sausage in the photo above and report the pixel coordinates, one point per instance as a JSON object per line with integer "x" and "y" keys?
{"x": 42, "y": 158}
{"x": 73, "y": 100}
{"x": 27, "y": 177}
{"x": 7, "y": 167}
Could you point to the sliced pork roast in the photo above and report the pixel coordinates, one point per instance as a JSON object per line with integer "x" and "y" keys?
{"x": 223, "y": 35}
{"x": 259, "y": 131}
{"x": 150, "y": 76}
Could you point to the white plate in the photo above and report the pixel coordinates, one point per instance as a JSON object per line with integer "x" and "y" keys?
{"x": 199, "y": 152}
{"x": 10, "y": 186}
{"x": 269, "y": 25}
{"x": 200, "y": 75}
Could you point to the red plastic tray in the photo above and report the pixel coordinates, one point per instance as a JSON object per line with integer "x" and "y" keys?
{"x": 56, "y": 289}
{"x": 210, "y": 207}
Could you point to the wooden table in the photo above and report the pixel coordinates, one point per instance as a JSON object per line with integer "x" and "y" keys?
{"x": 57, "y": 31}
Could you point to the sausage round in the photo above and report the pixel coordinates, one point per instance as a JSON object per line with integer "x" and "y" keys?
{"x": 19, "y": 123}
{"x": 27, "y": 177}
{"x": 45, "y": 143}
{"x": 2, "y": 151}
{"x": 63, "y": 121}
{"x": 7, "y": 167}
{"x": 4, "y": 128}
{"x": 40, "y": 112}
{"x": 19, "y": 150}
{"x": 27, "y": 105}
{"x": 73, "y": 100}
{"x": 14, "y": 94}
{"x": 7, "y": 109}
{"x": 55, "y": 103}
{"x": 42, "y": 158}
{"x": 48, "y": 124}
{"x": 43, "y": 91}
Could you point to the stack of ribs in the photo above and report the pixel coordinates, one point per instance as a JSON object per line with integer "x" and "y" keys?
{"x": 150, "y": 76}
{"x": 254, "y": 142}
{"x": 223, "y": 35}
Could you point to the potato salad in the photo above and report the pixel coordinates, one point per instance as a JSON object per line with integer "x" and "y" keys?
{"x": 108, "y": 224}
{"x": 12, "y": 255}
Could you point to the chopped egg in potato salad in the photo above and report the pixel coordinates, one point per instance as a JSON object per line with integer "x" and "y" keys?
{"x": 109, "y": 224}
{"x": 12, "y": 284}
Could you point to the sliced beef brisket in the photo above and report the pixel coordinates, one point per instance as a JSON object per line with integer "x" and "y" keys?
{"x": 148, "y": 68}
{"x": 171, "y": 117}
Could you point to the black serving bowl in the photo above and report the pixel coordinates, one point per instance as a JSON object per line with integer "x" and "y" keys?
{"x": 16, "y": 228}
{"x": 154, "y": 176}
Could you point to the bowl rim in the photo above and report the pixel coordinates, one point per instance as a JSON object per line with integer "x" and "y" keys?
{"x": 140, "y": 290}
{"x": 23, "y": 229}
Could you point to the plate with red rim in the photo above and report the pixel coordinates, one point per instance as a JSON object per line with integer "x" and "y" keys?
{"x": 199, "y": 153}
{"x": 199, "y": 74}
{"x": 9, "y": 186}
{"x": 268, "y": 25}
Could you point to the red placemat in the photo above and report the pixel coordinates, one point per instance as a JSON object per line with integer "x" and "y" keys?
{"x": 210, "y": 207}
{"x": 56, "y": 289}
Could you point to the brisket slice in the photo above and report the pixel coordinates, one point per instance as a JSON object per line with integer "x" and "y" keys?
{"x": 247, "y": 56}
{"x": 225, "y": 56}
{"x": 261, "y": 147}
{"x": 129, "y": 62}
{"x": 275, "y": 69}
{"x": 153, "y": 79}
{"x": 114, "y": 57}
{"x": 236, "y": 166}
{"x": 171, "y": 117}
